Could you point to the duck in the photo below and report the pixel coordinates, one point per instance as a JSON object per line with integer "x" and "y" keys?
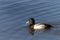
{"x": 37, "y": 26}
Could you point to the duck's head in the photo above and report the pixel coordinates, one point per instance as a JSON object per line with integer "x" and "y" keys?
{"x": 31, "y": 21}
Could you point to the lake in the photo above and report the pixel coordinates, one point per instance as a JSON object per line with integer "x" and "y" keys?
{"x": 15, "y": 13}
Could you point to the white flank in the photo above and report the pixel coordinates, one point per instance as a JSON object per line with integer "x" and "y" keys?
{"x": 39, "y": 26}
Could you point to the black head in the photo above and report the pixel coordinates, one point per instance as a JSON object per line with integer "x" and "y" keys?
{"x": 31, "y": 21}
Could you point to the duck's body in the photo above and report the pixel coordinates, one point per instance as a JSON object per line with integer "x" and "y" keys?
{"x": 41, "y": 26}
{"x": 37, "y": 26}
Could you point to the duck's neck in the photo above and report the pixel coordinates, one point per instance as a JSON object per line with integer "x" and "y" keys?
{"x": 31, "y": 24}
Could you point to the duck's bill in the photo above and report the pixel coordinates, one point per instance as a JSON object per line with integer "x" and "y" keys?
{"x": 27, "y": 22}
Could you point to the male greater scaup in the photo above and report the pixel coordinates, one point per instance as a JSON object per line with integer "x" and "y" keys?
{"x": 37, "y": 26}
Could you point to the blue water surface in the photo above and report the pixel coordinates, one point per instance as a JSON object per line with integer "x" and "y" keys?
{"x": 15, "y": 13}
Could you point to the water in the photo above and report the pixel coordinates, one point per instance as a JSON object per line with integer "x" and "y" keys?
{"x": 14, "y": 14}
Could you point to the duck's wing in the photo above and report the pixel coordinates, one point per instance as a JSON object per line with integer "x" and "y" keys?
{"x": 52, "y": 23}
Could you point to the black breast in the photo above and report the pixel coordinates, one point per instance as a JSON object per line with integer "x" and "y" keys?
{"x": 31, "y": 29}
